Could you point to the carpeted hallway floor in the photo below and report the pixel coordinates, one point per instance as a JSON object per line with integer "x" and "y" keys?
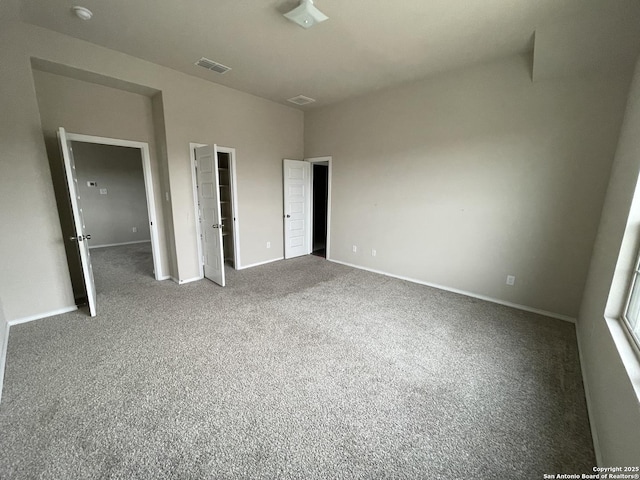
{"x": 299, "y": 369}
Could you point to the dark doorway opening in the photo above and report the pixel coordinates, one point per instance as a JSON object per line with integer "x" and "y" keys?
{"x": 320, "y": 197}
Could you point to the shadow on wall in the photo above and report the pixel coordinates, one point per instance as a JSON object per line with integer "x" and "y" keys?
{"x": 63, "y": 203}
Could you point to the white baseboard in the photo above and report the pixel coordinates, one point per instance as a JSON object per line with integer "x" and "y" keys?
{"x": 118, "y": 244}
{"x": 195, "y": 279}
{"x": 260, "y": 263}
{"x": 188, "y": 280}
{"x": 546, "y": 313}
{"x": 39, "y": 316}
{"x": 587, "y": 395}
{"x": 3, "y": 354}
{"x": 164, "y": 277}
{"x": 7, "y": 325}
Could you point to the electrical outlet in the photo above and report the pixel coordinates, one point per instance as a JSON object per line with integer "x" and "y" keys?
{"x": 511, "y": 280}
{"x": 373, "y": 252}
{"x": 355, "y": 248}
{"x": 268, "y": 244}
{"x": 134, "y": 229}
{"x": 103, "y": 191}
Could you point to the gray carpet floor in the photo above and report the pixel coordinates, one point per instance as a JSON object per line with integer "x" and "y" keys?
{"x": 297, "y": 369}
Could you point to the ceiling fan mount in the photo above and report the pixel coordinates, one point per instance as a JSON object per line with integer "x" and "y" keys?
{"x": 306, "y": 14}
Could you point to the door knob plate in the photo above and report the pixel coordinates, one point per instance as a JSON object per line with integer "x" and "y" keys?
{"x": 80, "y": 238}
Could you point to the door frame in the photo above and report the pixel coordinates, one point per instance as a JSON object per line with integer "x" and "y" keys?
{"x": 158, "y": 267}
{"x": 328, "y": 160}
{"x": 305, "y": 248}
{"x": 234, "y": 203}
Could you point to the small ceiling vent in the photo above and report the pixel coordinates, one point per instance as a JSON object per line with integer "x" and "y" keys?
{"x": 301, "y": 100}
{"x": 213, "y": 66}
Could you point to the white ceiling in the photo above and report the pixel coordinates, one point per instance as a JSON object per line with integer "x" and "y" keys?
{"x": 365, "y": 45}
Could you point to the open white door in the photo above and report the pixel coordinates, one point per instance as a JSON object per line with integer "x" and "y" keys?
{"x": 209, "y": 203}
{"x": 297, "y": 206}
{"x": 81, "y": 235}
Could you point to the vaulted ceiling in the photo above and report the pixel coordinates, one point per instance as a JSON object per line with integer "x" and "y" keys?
{"x": 364, "y": 46}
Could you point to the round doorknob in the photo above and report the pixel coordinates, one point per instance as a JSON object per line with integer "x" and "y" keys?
{"x": 288, "y": 216}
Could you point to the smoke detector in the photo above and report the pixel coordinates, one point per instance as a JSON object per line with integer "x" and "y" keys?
{"x": 82, "y": 13}
{"x": 306, "y": 14}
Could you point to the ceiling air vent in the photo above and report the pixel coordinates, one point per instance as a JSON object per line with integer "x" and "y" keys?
{"x": 301, "y": 100}
{"x": 213, "y": 66}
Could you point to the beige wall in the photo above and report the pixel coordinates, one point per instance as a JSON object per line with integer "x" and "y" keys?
{"x": 614, "y": 405}
{"x": 163, "y": 160}
{"x": 4, "y": 341}
{"x": 194, "y": 111}
{"x": 34, "y": 251}
{"x": 92, "y": 109}
{"x": 458, "y": 180}
{"x": 263, "y": 133}
{"x": 462, "y": 179}
{"x": 111, "y": 217}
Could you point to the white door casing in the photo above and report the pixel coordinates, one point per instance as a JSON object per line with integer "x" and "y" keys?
{"x": 81, "y": 236}
{"x": 158, "y": 267}
{"x": 297, "y": 207}
{"x": 209, "y": 214}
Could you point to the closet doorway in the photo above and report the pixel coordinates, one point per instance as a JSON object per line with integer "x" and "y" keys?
{"x": 307, "y": 207}
{"x": 228, "y": 205}
{"x": 227, "y": 208}
{"x": 320, "y": 205}
{"x": 319, "y": 186}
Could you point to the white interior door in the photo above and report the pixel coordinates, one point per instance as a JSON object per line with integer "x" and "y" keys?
{"x": 209, "y": 205}
{"x": 81, "y": 236}
{"x": 297, "y": 207}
